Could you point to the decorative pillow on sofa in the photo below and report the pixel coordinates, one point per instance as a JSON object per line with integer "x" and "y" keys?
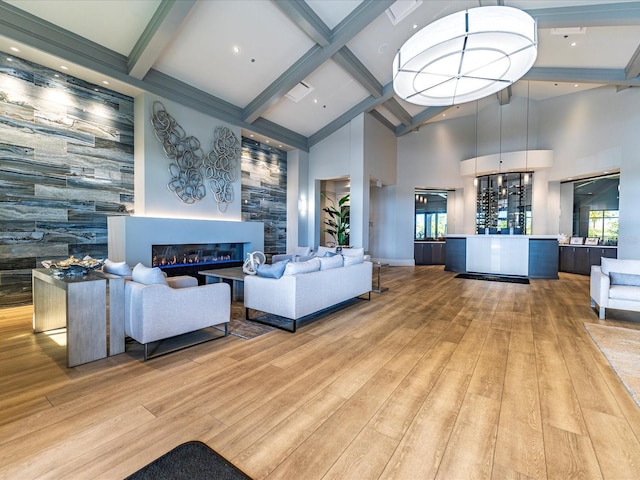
{"x": 148, "y": 275}
{"x": 116, "y": 268}
{"x": 630, "y": 279}
{"x": 293, "y": 268}
{"x": 322, "y": 251}
{"x": 275, "y": 270}
{"x": 352, "y": 256}
{"x": 333, "y": 261}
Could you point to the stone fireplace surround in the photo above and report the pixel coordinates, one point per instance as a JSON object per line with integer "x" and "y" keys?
{"x": 131, "y": 238}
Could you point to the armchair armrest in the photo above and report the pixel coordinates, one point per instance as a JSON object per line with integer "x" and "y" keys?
{"x": 599, "y": 286}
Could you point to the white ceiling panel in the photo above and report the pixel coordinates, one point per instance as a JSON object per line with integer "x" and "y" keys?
{"x": 334, "y": 92}
{"x": 598, "y": 47}
{"x": 332, "y": 12}
{"x": 202, "y": 54}
{"x": 116, "y": 24}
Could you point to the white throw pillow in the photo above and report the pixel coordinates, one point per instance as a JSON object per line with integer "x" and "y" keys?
{"x": 148, "y": 276}
{"x": 116, "y": 268}
{"x": 352, "y": 256}
{"x": 293, "y": 268}
{"x": 327, "y": 263}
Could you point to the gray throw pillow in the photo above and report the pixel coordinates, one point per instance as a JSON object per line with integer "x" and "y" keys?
{"x": 629, "y": 279}
{"x": 275, "y": 270}
{"x": 148, "y": 275}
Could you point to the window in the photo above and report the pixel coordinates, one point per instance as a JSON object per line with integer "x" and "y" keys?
{"x": 430, "y": 214}
{"x": 595, "y": 208}
{"x": 604, "y": 225}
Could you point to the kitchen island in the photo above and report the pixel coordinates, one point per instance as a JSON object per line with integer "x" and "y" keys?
{"x": 533, "y": 256}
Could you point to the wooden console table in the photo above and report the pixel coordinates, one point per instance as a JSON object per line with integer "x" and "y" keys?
{"x": 77, "y": 303}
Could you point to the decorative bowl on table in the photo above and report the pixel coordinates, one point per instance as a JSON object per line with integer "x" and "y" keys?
{"x": 72, "y": 266}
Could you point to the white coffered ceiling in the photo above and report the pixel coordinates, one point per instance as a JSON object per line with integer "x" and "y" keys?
{"x": 343, "y": 49}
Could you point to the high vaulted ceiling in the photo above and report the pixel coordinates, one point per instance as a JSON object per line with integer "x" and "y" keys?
{"x": 238, "y": 59}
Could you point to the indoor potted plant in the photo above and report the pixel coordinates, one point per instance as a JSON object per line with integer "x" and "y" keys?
{"x": 337, "y": 221}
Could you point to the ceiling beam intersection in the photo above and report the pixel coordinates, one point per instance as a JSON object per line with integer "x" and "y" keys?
{"x": 357, "y": 20}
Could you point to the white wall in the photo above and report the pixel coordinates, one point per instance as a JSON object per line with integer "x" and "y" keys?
{"x": 152, "y": 196}
{"x": 297, "y": 199}
{"x": 589, "y": 132}
{"x": 362, "y": 151}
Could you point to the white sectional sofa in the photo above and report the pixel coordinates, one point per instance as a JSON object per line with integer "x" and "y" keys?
{"x": 615, "y": 284}
{"x": 297, "y": 295}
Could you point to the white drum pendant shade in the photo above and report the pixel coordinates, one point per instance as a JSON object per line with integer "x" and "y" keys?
{"x": 466, "y": 56}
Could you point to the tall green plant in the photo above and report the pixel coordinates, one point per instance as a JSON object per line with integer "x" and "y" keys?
{"x": 337, "y": 221}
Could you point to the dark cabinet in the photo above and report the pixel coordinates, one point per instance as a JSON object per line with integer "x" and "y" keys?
{"x": 596, "y": 254}
{"x": 429, "y": 253}
{"x": 575, "y": 259}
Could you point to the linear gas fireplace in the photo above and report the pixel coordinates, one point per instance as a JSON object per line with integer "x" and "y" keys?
{"x": 188, "y": 258}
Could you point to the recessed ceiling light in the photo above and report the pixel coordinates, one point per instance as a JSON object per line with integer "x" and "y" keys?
{"x": 575, "y": 85}
{"x": 279, "y": 146}
{"x": 315, "y": 100}
{"x": 383, "y": 48}
{"x": 573, "y": 44}
{"x": 605, "y": 172}
{"x": 414, "y": 26}
{"x": 236, "y": 50}
{"x": 267, "y": 141}
{"x": 14, "y": 49}
{"x": 64, "y": 67}
{"x": 444, "y": 114}
{"x": 570, "y": 178}
{"x": 105, "y": 82}
{"x": 251, "y": 135}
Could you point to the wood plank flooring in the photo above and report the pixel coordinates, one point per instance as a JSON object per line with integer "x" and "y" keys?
{"x": 437, "y": 378}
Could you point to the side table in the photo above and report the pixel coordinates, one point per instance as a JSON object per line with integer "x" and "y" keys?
{"x": 378, "y": 266}
{"x": 77, "y": 303}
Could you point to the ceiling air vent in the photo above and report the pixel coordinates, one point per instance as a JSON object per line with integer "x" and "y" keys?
{"x": 401, "y": 9}
{"x": 300, "y": 91}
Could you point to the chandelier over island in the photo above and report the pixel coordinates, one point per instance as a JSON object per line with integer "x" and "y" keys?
{"x": 466, "y": 56}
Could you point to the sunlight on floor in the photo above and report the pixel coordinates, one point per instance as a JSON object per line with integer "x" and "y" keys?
{"x": 59, "y": 336}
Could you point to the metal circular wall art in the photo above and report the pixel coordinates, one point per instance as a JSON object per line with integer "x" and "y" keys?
{"x": 192, "y": 167}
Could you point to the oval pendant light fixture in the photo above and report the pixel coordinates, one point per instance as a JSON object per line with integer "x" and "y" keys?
{"x": 466, "y": 56}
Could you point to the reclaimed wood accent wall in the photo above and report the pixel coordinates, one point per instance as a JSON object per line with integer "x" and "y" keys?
{"x": 264, "y": 192}
{"x": 66, "y": 163}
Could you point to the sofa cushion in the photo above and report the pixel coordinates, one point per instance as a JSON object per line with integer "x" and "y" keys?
{"x": 323, "y": 250}
{"x": 624, "y": 292}
{"x": 352, "y": 256}
{"x": 302, "y": 251}
{"x": 274, "y": 270}
{"x": 295, "y": 268}
{"x": 334, "y": 261}
{"x": 116, "y": 268}
{"x": 618, "y": 278}
{"x": 620, "y": 265}
{"x": 148, "y": 275}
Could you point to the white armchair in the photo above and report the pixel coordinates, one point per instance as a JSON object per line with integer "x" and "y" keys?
{"x": 615, "y": 284}
{"x": 159, "y": 311}
{"x": 299, "y": 253}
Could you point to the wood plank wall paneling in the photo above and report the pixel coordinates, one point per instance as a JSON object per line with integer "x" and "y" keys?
{"x": 264, "y": 192}
{"x": 66, "y": 163}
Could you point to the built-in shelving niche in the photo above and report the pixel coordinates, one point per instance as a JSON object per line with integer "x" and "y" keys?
{"x": 503, "y": 203}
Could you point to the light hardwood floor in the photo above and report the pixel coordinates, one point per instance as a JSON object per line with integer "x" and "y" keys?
{"x": 437, "y": 378}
